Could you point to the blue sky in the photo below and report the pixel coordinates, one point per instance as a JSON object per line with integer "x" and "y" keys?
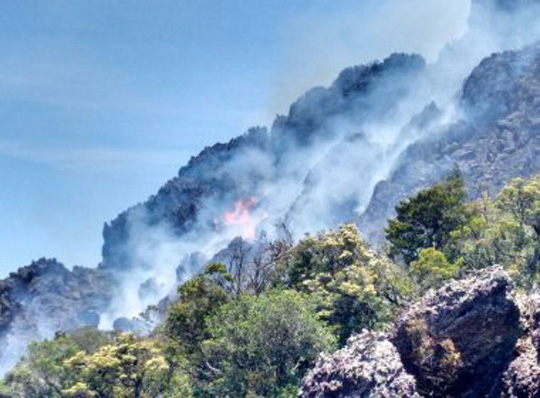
{"x": 102, "y": 101}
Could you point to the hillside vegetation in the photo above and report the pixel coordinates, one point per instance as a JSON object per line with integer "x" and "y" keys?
{"x": 256, "y": 330}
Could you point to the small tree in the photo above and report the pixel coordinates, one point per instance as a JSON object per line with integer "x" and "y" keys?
{"x": 127, "y": 367}
{"x": 428, "y": 218}
{"x": 42, "y": 371}
{"x": 198, "y": 298}
{"x": 504, "y": 231}
{"x": 352, "y": 286}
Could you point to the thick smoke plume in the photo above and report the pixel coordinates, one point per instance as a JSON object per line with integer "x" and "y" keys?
{"x": 318, "y": 166}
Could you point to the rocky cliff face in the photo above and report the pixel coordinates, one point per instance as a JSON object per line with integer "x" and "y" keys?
{"x": 369, "y": 366}
{"x": 243, "y": 168}
{"x": 179, "y": 204}
{"x": 471, "y": 338}
{"x": 357, "y": 147}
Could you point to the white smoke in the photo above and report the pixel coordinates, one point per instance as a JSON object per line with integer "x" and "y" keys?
{"x": 313, "y": 183}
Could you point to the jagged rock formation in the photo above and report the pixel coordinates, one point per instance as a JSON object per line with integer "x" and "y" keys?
{"x": 522, "y": 378}
{"x": 369, "y": 366}
{"x": 471, "y": 338}
{"x": 178, "y": 203}
{"x": 497, "y": 139}
{"x": 226, "y": 173}
{"x": 45, "y": 297}
{"x": 363, "y": 93}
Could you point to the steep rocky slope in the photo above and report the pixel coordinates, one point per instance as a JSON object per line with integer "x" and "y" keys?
{"x": 225, "y": 173}
{"x": 497, "y": 137}
{"x": 180, "y": 202}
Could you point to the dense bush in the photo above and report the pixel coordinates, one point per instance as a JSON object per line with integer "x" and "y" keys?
{"x": 353, "y": 287}
{"x": 42, "y": 371}
{"x": 198, "y": 298}
{"x": 261, "y": 345}
{"x": 432, "y": 269}
{"x": 428, "y": 218}
{"x": 505, "y": 230}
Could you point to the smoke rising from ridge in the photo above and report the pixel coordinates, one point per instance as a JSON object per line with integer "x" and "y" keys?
{"x": 317, "y": 167}
{"x": 322, "y": 162}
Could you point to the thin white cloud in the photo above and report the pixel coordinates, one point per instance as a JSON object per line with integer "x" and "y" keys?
{"x": 95, "y": 160}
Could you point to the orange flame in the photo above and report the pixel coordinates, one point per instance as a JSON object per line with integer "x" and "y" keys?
{"x": 240, "y": 217}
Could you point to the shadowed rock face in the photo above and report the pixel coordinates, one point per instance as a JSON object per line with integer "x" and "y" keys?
{"x": 363, "y": 92}
{"x": 178, "y": 203}
{"x": 522, "y": 378}
{"x": 369, "y": 366}
{"x": 367, "y": 92}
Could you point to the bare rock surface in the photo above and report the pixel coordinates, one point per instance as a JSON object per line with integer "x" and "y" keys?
{"x": 496, "y": 140}
{"x": 369, "y": 366}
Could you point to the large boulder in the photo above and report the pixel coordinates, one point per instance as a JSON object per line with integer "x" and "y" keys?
{"x": 522, "y": 378}
{"x": 458, "y": 340}
{"x": 369, "y": 366}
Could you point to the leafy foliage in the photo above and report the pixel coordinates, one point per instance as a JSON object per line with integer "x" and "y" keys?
{"x": 428, "y": 218}
{"x": 199, "y": 298}
{"x": 42, "y": 372}
{"x": 262, "y": 344}
{"x": 352, "y": 286}
{"x": 504, "y": 231}
{"x": 432, "y": 269}
{"x": 127, "y": 367}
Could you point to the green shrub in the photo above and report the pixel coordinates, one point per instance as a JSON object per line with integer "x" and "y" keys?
{"x": 261, "y": 345}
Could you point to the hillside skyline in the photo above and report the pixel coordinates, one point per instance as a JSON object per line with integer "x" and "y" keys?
{"x": 102, "y": 106}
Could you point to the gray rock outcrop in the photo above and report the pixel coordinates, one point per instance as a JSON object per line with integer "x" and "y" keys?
{"x": 369, "y": 366}
{"x": 498, "y": 138}
{"x": 45, "y": 297}
{"x": 522, "y": 378}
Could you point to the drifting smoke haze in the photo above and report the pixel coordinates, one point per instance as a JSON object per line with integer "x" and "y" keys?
{"x": 318, "y": 166}
{"x": 327, "y": 177}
